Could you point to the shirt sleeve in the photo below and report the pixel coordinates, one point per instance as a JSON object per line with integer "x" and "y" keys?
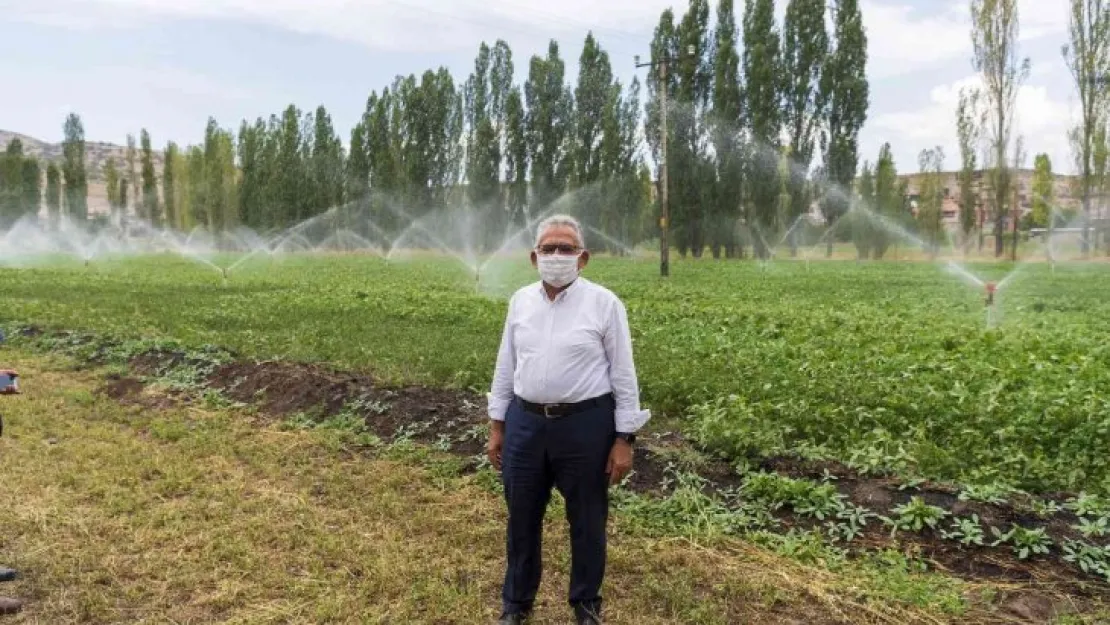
{"x": 622, "y": 372}
{"x": 501, "y": 391}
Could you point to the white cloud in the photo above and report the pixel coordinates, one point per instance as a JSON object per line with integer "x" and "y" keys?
{"x": 173, "y": 82}
{"x": 1042, "y": 18}
{"x": 1040, "y": 119}
{"x": 395, "y": 25}
{"x": 903, "y": 39}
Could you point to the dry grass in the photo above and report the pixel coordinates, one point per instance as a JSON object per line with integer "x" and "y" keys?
{"x": 123, "y": 514}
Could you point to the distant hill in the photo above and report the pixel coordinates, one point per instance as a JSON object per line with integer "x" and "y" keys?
{"x": 96, "y": 153}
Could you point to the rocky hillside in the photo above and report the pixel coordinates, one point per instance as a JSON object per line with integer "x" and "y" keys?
{"x": 96, "y": 154}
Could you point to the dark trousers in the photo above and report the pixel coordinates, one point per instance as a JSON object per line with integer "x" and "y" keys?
{"x": 569, "y": 453}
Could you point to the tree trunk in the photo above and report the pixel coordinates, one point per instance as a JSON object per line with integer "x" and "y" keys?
{"x": 999, "y": 239}
{"x": 1086, "y": 222}
{"x": 982, "y": 236}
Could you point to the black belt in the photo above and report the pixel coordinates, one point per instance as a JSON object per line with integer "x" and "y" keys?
{"x": 554, "y": 411}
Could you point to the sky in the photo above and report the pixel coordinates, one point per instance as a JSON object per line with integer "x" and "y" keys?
{"x": 167, "y": 65}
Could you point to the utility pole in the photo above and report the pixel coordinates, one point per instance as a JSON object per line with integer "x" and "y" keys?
{"x": 664, "y": 197}
{"x": 1017, "y": 213}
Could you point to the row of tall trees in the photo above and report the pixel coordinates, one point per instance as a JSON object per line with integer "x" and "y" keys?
{"x": 882, "y": 204}
{"x": 20, "y": 183}
{"x": 21, "y": 179}
{"x": 985, "y": 118}
{"x": 747, "y": 118}
{"x": 1088, "y": 58}
{"x": 504, "y": 151}
{"x": 750, "y": 111}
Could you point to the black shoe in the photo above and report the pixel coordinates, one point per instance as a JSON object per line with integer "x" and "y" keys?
{"x": 518, "y": 618}
{"x": 586, "y": 614}
{"x": 7, "y": 575}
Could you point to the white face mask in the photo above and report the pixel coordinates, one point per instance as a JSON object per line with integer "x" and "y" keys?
{"x": 558, "y": 270}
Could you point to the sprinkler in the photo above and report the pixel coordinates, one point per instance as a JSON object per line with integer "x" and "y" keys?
{"x": 991, "y": 288}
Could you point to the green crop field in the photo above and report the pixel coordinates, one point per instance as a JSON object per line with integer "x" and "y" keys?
{"x": 884, "y": 366}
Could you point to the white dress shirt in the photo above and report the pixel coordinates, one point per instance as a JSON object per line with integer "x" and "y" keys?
{"x": 568, "y": 350}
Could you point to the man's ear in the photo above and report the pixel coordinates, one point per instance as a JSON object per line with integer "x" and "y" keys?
{"x": 583, "y": 259}
{"x": 533, "y": 258}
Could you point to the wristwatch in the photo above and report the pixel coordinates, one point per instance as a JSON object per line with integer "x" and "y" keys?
{"x": 626, "y": 437}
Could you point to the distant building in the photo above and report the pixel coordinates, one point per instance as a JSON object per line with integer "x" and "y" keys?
{"x": 1065, "y": 190}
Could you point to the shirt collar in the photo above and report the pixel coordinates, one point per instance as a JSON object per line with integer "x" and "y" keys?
{"x": 562, "y": 294}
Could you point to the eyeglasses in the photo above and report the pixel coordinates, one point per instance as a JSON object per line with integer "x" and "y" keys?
{"x": 557, "y": 248}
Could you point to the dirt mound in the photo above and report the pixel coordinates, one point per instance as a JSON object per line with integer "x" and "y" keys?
{"x": 133, "y": 391}
{"x": 123, "y": 388}
{"x": 451, "y": 420}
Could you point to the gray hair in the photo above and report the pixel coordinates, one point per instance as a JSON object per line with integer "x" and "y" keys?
{"x": 558, "y": 221}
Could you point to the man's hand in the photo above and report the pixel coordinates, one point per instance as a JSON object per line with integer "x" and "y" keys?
{"x": 620, "y": 461}
{"x": 496, "y": 442}
{"x": 8, "y": 390}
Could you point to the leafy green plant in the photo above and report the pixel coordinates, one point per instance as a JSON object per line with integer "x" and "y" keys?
{"x": 806, "y": 546}
{"x": 769, "y": 488}
{"x": 1089, "y": 558}
{"x": 917, "y": 515}
{"x": 1045, "y": 508}
{"x": 1093, "y": 528}
{"x": 986, "y": 493}
{"x": 966, "y": 531}
{"x": 911, "y": 483}
{"x": 1088, "y": 504}
{"x": 686, "y": 511}
{"x": 1025, "y": 542}
{"x": 820, "y": 501}
{"x": 850, "y": 523}
{"x": 807, "y": 498}
{"x": 880, "y": 455}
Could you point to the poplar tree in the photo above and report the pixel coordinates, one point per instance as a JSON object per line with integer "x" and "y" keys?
{"x": 763, "y": 94}
{"x": 844, "y": 83}
{"x": 73, "y": 169}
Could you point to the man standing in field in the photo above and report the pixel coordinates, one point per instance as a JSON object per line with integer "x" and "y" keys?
{"x": 564, "y": 410}
{"x": 7, "y": 604}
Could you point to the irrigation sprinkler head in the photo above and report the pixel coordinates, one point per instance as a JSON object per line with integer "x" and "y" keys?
{"x": 991, "y": 288}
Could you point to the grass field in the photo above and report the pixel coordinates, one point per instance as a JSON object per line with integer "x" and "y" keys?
{"x": 200, "y": 512}
{"x": 887, "y": 366}
{"x": 120, "y": 513}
